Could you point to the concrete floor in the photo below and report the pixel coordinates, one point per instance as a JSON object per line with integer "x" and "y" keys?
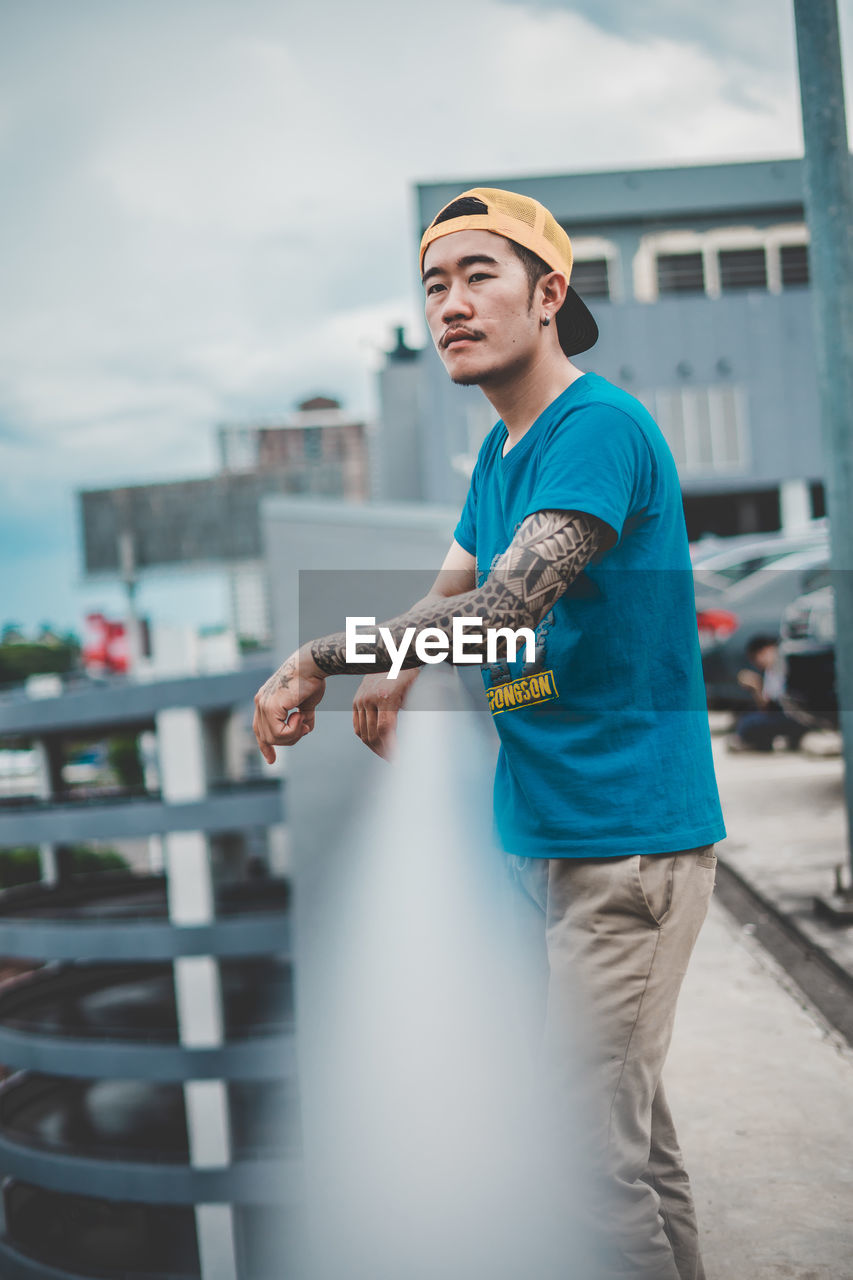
{"x": 762, "y": 1093}
{"x": 788, "y": 834}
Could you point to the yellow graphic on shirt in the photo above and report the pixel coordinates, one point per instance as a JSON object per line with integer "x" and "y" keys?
{"x": 524, "y": 692}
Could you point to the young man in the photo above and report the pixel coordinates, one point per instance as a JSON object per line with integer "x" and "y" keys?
{"x": 757, "y": 730}
{"x": 605, "y": 799}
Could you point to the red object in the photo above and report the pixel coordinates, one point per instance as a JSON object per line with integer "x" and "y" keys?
{"x": 105, "y": 648}
{"x": 716, "y": 624}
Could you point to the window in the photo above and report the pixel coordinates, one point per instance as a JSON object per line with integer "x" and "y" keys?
{"x": 312, "y": 438}
{"x": 743, "y": 269}
{"x": 705, "y": 427}
{"x": 590, "y": 278}
{"x": 680, "y": 273}
{"x": 794, "y": 263}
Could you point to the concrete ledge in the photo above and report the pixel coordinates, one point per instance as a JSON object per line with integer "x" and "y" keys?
{"x": 15, "y": 1265}
{"x": 249, "y": 935}
{"x": 254, "y": 804}
{"x": 262, "y": 1058}
{"x": 263, "y": 1181}
{"x": 97, "y": 705}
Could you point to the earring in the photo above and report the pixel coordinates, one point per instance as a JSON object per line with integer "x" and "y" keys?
{"x": 546, "y": 320}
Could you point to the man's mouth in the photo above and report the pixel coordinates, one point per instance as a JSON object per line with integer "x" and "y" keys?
{"x": 458, "y": 335}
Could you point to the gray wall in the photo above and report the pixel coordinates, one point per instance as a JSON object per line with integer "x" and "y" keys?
{"x": 330, "y": 774}
{"x": 329, "y": 770}
{"x": 397, "y": 464}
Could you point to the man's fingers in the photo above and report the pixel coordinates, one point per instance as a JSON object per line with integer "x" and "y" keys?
{"x": 370, "y": 719}
{"x": 386, "y": 735}
{"x": 264, "y": 747}
{"x": 381, "y": 736}
{"x": 374, "y": 721}
{"x": 364, "y": 717}
{"x": 270, "y": 736}
{"x": 387, "y": 730}
{"x": 358, "y": 719}
{"x": 386, "y": 722}
{"x": 279, "y": 721}
{"x": 286, "y": 734}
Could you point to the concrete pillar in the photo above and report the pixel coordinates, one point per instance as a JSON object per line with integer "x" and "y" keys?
{"x": 279, "y": 851}
{"x": 183, "y": 759}
{"x": 156, "y": 855}
{"x": 48, "y": 863}
{"x": 48, "y": 757}
{"x": 236, "y": 744}
{"x": 795, "y": 505}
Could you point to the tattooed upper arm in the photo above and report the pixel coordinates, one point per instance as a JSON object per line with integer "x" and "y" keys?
{"x": 549, "y": 550}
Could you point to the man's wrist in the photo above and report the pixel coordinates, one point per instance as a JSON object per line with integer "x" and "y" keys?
{"x": 305, "y": 664}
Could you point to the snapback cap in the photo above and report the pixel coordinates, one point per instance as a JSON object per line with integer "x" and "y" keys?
{"x": 528, "y": 223}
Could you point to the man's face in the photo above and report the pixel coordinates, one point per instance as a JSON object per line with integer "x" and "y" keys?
{"x": 765, "y": 658}
{"x": 478, "y": 308}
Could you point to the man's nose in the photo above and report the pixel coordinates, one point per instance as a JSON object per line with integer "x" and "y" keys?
{"x": 456, "y": 303}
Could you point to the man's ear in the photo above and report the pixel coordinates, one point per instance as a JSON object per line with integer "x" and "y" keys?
{"x": 554, "y": 287}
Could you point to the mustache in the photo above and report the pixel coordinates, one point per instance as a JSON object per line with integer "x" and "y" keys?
{"x": 458, "y": 331}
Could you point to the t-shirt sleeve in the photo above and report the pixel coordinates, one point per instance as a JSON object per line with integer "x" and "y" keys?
{"x": 598, "y": 462}
{"x": 466, "y": 530}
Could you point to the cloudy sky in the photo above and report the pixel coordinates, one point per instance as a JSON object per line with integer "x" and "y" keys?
{"x": 208, "y": 207}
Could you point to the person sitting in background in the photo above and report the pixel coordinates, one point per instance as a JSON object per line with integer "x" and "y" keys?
{"x": 757, "y": 729}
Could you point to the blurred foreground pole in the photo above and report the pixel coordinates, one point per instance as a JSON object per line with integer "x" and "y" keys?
{"x": 829, "y": 212}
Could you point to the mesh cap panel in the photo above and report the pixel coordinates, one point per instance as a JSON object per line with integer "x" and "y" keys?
{"x": 514, "y": 206}
{"x": 555, "y": 235}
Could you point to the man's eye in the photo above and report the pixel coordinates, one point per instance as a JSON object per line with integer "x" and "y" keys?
{"x": 479, "y": 275}
{"x": 433, "y": 288}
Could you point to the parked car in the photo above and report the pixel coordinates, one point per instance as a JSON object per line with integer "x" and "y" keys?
{"x": 729, "y": 616}
{"x": 807, "y": 653}
{"x": 719, "y": 562}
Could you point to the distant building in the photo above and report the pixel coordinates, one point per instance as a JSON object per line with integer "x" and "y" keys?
{"x": 699, "y": 280}
{"x": 321, "y": 447}
{"x": 213, "y": 522}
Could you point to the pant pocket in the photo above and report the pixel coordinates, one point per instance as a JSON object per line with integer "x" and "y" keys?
{"x": 654, "y": 879}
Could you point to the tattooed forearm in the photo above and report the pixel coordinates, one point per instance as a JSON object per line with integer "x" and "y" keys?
{"x": 329, "y": 654}
{"x": 548, "y": 552}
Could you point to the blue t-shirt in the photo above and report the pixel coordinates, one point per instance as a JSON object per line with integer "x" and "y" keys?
{"x": 605, "y": 746}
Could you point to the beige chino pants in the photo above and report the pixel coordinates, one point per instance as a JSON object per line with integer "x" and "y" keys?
{"x": 618, "y": 934}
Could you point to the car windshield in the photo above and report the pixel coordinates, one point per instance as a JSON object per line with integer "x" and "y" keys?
{"x": 743, "y": 568}
{"x": 719, "y": 573}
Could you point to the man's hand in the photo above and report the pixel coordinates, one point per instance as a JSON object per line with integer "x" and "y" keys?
{"x": 375, "y": 709}
{"x": 752, "y": 680}
{"x": 285, "y": 705}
